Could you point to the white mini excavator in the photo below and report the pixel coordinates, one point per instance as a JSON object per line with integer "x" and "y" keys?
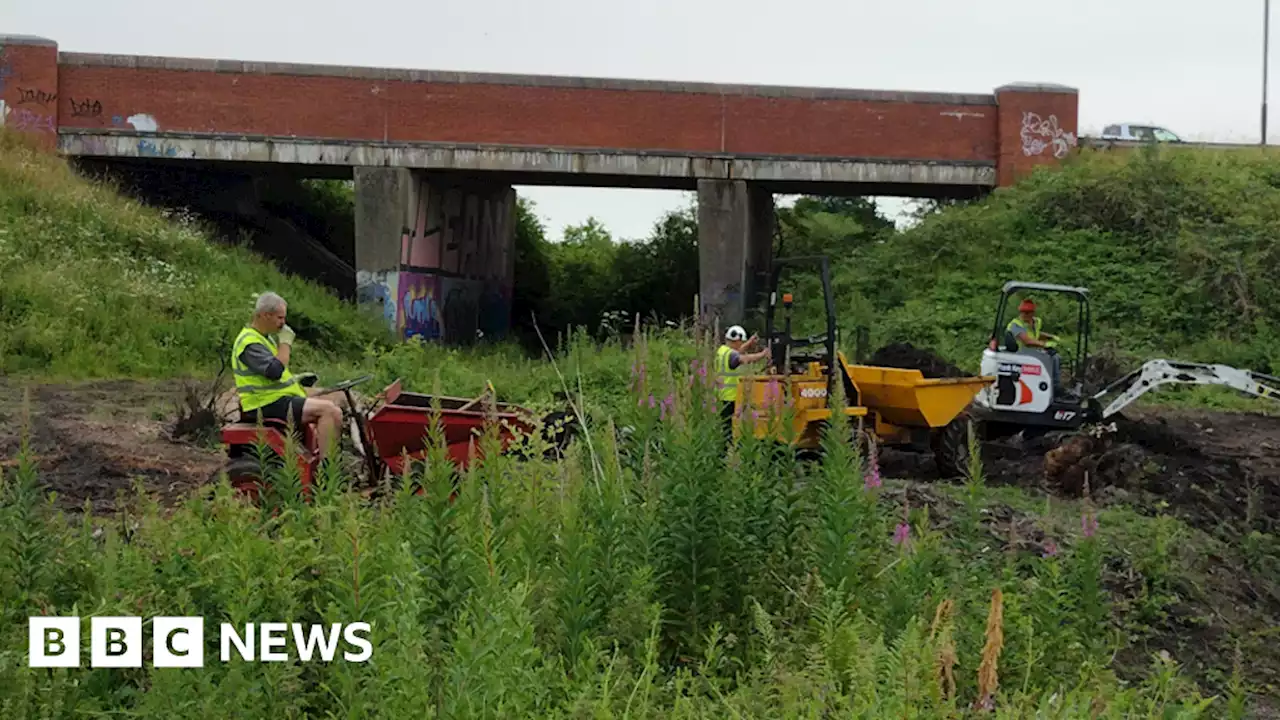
{"x": 1027, "y": 397}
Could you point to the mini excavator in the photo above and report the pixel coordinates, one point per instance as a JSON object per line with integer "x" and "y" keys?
{"x": 1027, "y": 397}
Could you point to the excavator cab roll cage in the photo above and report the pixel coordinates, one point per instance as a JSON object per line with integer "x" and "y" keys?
{"x": 1006, "y": 342}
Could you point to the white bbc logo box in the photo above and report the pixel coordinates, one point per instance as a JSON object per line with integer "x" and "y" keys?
{"x": 178, "y": 642}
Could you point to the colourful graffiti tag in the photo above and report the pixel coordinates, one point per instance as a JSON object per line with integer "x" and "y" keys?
{"x": 418, "y": 311}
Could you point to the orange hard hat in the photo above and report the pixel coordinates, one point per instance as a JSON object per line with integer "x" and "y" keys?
{"x": 1027, "y": 305}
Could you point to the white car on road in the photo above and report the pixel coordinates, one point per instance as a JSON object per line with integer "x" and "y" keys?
{"x": 1138, "y": 133}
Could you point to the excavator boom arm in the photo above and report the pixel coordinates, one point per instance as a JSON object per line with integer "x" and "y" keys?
{"x": 1155, "y": 373}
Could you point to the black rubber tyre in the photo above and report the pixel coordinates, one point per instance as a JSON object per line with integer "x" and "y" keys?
{"x": 244, "y": 474}
{"x": 951, "y": 446}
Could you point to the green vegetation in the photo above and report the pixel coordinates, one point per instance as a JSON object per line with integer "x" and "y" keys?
{"x": 644, "y": 577}
{"x": 650, "y": 575}
{"x": 98, "y": 286}
{"x": 1177, "y": 248}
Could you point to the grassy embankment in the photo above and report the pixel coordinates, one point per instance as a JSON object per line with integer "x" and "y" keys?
{"x": 1177, "y": 248}
{"x": 647, "y": 580}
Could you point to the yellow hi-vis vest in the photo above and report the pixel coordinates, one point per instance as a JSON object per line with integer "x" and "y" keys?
{"x": 726, "y": 379}
{"x": 1032, "y": 332}
{"x": 257, "y": 390}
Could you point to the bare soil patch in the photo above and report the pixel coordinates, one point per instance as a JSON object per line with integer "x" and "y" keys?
{"x": 92, "y": 441}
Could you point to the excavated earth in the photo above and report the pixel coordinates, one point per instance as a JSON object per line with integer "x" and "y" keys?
{"x": 1212, "y": 469}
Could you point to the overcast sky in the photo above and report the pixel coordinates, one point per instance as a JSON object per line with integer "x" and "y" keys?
{"x": 1171, "y": 62}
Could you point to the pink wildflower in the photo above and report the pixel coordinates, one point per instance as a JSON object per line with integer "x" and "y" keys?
{"x": 872, "y": 478}
{"x": 901, "y": 534}
{"x": 1050, "y": 549}
{"x": 1088, "y": 524}
{"x": 668, "y": 405}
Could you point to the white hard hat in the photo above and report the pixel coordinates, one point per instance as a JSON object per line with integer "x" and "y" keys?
{"x": 735, "y": 332}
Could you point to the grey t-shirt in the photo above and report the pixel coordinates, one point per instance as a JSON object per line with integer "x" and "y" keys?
{"x": 735, "y": 359}
{"x": 259, "y": 358}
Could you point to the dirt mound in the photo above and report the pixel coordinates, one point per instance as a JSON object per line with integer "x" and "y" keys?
{"x": 907, "y": 356}
{"x": 1215, "y": 470}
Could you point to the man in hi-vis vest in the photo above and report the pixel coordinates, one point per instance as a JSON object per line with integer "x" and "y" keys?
{"x": 730, "y": 357}
{"x": 1026, "y": 331}
{"x": 264, "y": 383}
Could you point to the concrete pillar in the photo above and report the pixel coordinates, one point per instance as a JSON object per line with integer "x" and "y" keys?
{"x": 1036, "y": 126}
{"x": 735, "y": 248}
{"x": 435, "y": 254}
{"x": 29, "y": 88}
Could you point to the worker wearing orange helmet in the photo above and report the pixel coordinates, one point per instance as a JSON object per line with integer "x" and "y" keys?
{"x": 1026, "y": 330}
{"x": 1026, "y": 327}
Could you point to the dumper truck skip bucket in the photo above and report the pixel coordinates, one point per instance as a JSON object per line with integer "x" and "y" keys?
{"x": 908, "y": 399}
{"x": 903, "y": 406}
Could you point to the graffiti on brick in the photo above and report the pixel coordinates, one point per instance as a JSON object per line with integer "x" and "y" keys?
{"x": 6, "y": 72}
{"x": 143, "y": 122}
{"x": 35, "y": 96}
{"x": 1039, "y": 134}
{"x": 85, "y": 108}
{"x": 26, "y": 120}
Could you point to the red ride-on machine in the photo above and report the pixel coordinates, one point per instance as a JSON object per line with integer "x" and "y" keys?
{"x": 396, "y": 424}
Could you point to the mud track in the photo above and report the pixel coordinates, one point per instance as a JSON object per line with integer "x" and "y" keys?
{"x": 92, "y": 441}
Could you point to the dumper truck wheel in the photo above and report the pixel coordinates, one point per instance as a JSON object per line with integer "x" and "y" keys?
{"x": 951, "y": 446}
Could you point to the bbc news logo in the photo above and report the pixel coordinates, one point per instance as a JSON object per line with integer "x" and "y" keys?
{"x": 178, "y": 642}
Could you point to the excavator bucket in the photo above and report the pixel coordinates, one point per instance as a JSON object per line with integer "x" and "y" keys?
{"x": 906, "y": 398}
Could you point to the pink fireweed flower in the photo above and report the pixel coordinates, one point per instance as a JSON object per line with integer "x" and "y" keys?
{"x": 1088, "y": 524}
{"x": 872, "y": 478}
{"x": 901, "y": 534}
{"x": 668, "y": 405}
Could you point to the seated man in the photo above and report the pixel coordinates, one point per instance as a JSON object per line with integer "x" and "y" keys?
{"x": 264, "y": 383}
{"x": 1026, "y": 331}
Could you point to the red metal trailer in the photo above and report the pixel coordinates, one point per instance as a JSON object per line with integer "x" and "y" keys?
{"x": 396, "y": 424}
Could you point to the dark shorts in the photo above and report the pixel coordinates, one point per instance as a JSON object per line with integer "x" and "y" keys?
{"x": 278, "y": 410}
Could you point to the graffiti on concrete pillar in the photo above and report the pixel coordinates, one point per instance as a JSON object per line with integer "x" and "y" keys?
{"x": 418, "y": 309}
{"x": 1039, "y": 134}
{"x": 454, "y": 276}
{"x": 378, "y": 290}
{"x": 461, "y": 310}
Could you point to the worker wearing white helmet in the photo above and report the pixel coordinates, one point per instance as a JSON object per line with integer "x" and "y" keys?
{"x": 730, "y": 357}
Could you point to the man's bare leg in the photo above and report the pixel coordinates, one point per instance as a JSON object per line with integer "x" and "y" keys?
{"x": 337, "y": 398}
{"x": 327, "y": 417}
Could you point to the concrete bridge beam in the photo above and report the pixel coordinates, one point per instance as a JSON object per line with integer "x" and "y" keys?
{"x": 435, "y": 256}
{"x": 735, "y": 246}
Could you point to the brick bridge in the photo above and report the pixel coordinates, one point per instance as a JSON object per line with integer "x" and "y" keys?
{"x": 435, "y": 154}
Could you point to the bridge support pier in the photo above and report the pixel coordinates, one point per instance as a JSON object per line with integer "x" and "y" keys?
{"x": 735, "y": 248}
{"x": 435, "y": 253}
